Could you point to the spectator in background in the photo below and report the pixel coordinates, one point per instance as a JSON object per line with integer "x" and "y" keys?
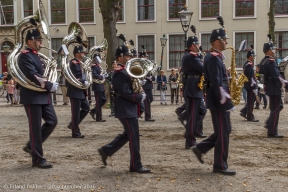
{"x": 10, "y": 90}
{"x": 63, "y": 85}
{"x": 162, "y": 87}
{"x": 180, "y": 85}
{"x": 174, "y": 85}
{"x": 16, "y": 93}
{"x": 6, "y": 79}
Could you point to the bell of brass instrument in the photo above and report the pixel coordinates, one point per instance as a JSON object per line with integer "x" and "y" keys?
{"x": 235, "y": 87}
{"x": 138, "y": 68}
{"x": 76, "y": 35}
{"x": 50, "y": 72}
{"x": 103, "y": 47}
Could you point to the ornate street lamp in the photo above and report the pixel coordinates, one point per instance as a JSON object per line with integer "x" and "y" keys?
{"x": 6, "y": 49}
{"x": 163, "y": 41}
{"x": 185, "y": 17}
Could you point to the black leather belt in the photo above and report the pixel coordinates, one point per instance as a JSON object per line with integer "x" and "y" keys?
{"x": 223, "y": 83}
{"x": 192, "y": 76}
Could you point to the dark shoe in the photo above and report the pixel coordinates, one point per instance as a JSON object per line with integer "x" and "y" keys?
{"x": 78, "y": 136}
{"x": 44, "y": 165}
{"x": 266, "y": 126}
{"x": 198, "y": 154}
{"x": 253, "y": 120}
{"x": 177, "y": 113}
{"x": 182, "y": 121}
{"x": 264, "y": 107}
{"x": 69, "y": 126}
{"x": 275, "y": 136}
{"x": 92, "y": 115}
{"x": 152, "y": 120}
{"x": 101, "y": 120}
{"x": 27, "y": 150}
{"x": 256, "y": 107}
{"x": 225, "y": 171}
{"x": 8, "y": 101}
{"x": 103, "y": 156}
{"x": 243, "y": 115}
{"x": 65, "y": 103}
{"x": 201, "y": 136}
{"x": 188, "y": 147}
{"x": 165, "y": 103}
{"x": 141, "y": 170}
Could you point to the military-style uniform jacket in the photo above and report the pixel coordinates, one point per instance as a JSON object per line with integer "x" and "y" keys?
{"x": 216, "y": 76}
{"x": 33, "y": 68}
{"x": 192, "y": 69}
{"x": 149, "y": 84}
{"x": 72, "y": 91}
{"x": 109, "y": 80}
{"x": 126, "y": 102}
{"x": 96, "y": 71}
{"x": 272, "y": 74}
{"x": 249, "y": 73}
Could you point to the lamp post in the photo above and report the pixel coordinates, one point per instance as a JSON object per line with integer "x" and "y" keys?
{"x": 185, "y": 17}
{"x": 163, "y": 41}
{"x": 6, "y": 49}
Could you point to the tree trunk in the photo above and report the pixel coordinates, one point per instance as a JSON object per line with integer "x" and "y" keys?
{"x": 271, "y": 21}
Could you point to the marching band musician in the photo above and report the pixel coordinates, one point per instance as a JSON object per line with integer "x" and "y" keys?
{"x": 37, "y": 104}
{"x": 273, "y": 83}
{"x": 126, "y": 110}
{"x": 219, "y": 102}
{"x": 111, "y": 91}
{"x": 192, "y": 69}
{"x": 99, "y": 91}
{"x": 250, "y": 86}
{"x": 77, "y": 96}
{"x": 147, "y": 87}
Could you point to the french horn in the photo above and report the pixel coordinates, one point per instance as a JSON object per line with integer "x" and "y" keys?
{"x": 50, "y": 72}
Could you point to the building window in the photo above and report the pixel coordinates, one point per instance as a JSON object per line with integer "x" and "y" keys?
{"x": 145, "y": 10}
{"x": 241, "y": 56}
{"x": 281, "y": 39}
{"x": 281, "y": 7}
{"x": 121, "y": 11}
{"x": 28, "y": 7}
{"x": 149, "y": 44}
{"x": 244, "y": 8}
{"x": 7, "y": 16}
{"x": 210, "y": 8}
{"x": 55, "y": 44}
{"x": 175, "y": 6}
{"x": 57, "y": 11}
{"x": 86, "y": 11}
{"x": 205, "y": 42}
{"x": 91, "y": 43}
{"x": 176, "y": 50}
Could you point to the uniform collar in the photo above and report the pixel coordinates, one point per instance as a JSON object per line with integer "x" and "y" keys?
{"x": 32, "y": 50}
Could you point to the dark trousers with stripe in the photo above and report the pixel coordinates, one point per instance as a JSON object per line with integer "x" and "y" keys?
{"x": 147, "y": 103}
{"x": 248, "y": 108}
{"x": 100, "y": 99}
{"x": 219, "y": 139}
{"x": 112, "y": 101}
{"x": 202, "y": 113}
{"x": 37, "y": 133}
{"x": 192, "y": 108}
{"x": 77, "y": 114}
{"x": 131, "y": 134}
{"x": 276, "y": 104}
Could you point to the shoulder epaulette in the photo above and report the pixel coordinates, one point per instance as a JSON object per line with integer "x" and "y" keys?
{"x": 25, "y": 51}
{"x": 249, "y": 63}
{"x": 214, "y": 53}
{"x": 271, "y": 59}
{"x": 193, "y": 53}
{"x": 74, "y": 61}
{"x": 119, "y": 68}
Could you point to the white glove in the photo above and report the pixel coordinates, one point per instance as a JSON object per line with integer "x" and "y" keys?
{"x": 54, "y": 87}
{"x": 143, "y": 97}
{"x": 150, "y": 78}
{"x": 224, "y": 95}
{"x": 255, "y": 91}
{"x": 105, "y": 75}
{"x": 86, "y": 83}
{"x": 143, "y": 82}
{"x": 252, "y": 82}
{"x": 283, "y": 81}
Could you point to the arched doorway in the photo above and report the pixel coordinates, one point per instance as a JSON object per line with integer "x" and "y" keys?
{"x": 5, "y": 48}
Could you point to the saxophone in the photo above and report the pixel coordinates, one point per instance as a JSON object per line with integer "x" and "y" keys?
{"x": 235, "y": 87}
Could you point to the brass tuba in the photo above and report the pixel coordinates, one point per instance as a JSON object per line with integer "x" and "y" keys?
{"x": 39, "y": 18}
{"x": 102, "y": 50}
{"x": 235, "y": 87}
{"x": 76, "y": 35}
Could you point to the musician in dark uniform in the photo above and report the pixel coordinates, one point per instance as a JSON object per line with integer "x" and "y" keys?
{"x": 272, "y": 82}
{"x": 250, "y": 86}
{"x": 77, "y": 96}
{"x": 147, "y": 87}
{"x": 192, "y": 69}
{"x": 126, "y": 110}
{"x": 219, "y": 102}
{"x": 111, "y": 90}
{"x": 37, "y": 105}
{"x": 99, "y": 90}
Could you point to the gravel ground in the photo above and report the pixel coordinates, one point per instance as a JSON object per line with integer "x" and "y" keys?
{"x": 260, "y": 162}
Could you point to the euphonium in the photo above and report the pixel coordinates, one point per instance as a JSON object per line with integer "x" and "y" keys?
{"x": 234, "y": 87}
{"x": 77, "y": 35}
{"x": 39, "y": 20}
